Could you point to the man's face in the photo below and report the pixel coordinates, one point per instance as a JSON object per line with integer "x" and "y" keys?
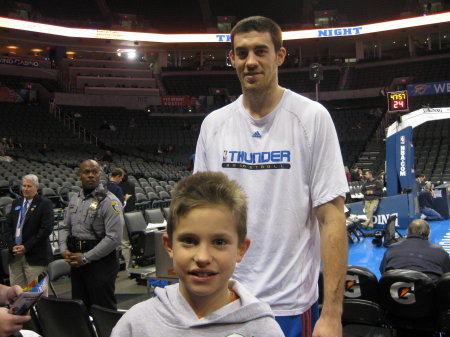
{"x": 205, "y": 248}
{"x": 29, "y": 189}
{"x": 256, "y": 60}
{"x": 89, "y": 174}
{"x": 368, "y": 175}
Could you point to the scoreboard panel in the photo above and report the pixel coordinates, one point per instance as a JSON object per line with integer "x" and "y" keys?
{"x": 397, "y": 101}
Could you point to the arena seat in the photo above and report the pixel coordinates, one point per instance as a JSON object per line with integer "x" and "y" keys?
{"x": 154, "y": 216}
{"x": 104, "y": 319}
{"x": 409, "y": 299}
{"x": 364, "y": 318}
{"x": 142, "y": 242}
{"x": 443, "y": 303}
{"x": 361, "y": 283}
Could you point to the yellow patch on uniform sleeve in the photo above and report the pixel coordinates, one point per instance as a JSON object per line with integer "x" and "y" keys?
{"x": 115, "y": 206}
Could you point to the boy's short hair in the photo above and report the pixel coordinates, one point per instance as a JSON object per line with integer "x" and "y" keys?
{"x": 205, "y": 189}
{"x": 260, "y": 24}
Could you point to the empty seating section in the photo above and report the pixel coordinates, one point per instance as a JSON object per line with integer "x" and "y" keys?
{"x": 199, "y": 84}
{"x": 98, "y": 77}
{"x": 59, "y": 182}
{"x": 431, "y": 143}
{"x": 431, "y": 101}
{"x": 19, "y": 82}
{"x": 32, "y": 125}
{"x": 376, "y": 76}
{"x": 354, "y": 128}
{"x": 298, "y": 80}
{"x": 147, "y": 132}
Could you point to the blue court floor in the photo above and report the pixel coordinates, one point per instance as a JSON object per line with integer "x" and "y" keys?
{"x": 365, "y": 254}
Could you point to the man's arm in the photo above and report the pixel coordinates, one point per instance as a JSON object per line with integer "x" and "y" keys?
{"x": 379, "y": 189}
{"x": 334, "y": 252}
{"x": 64, "y": 232}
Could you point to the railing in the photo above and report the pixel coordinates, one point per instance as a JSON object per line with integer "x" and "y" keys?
{"x": 71, "y": 124}
{"x": 384, "y": 124}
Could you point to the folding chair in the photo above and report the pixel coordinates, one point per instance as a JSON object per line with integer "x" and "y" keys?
{"x": 142, "y": 242}
{"x": 60, "y": 317}
{"x": 104, "y": 319}
{"x": 57, "y": 269}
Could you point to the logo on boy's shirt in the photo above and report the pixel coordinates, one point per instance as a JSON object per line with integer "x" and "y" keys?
{"x": 270, "y": 160}
{"x": 256, "y": 134}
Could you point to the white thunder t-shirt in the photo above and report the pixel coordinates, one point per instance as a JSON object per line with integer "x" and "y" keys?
{"x": 288, "y": 162}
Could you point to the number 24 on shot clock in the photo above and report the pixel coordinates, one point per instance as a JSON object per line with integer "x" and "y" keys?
{"x": 397, "y": 101}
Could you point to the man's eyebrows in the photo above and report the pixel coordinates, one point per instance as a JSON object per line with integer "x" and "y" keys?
{"x": 262, "y": 46}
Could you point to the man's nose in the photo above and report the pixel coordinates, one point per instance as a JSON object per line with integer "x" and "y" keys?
{"x": 251, "y": 60}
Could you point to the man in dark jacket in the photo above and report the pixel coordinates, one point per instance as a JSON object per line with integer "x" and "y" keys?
{"x": 28, "y": 228}
{"x": 417, "y": 253}
{"x": 129, "y": 192}
{"x": 426, "y": 203}
{"x": 372, "y": 191}
{"x": 113, "y": 184}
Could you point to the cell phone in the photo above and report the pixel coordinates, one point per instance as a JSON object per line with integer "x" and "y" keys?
{"x": 32, "y": 293}
{"x": 23, "y": 303}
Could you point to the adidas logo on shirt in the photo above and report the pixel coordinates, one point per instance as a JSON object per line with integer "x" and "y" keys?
{"x": 256, "y": 134}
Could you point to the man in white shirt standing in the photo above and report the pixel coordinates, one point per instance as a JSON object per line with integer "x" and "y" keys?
{"x": 283, "y": 150}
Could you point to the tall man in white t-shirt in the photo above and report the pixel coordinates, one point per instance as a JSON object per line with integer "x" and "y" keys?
{"x": 283, "y": 149}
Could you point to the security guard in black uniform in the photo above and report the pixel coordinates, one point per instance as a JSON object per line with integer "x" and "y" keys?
{"x": 88, "y": 241}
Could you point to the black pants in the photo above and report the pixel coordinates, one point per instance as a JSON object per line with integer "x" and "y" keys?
{"x": 95, "y": 282}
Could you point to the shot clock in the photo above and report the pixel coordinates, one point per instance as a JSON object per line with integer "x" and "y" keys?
{"x": 397, "y": 101}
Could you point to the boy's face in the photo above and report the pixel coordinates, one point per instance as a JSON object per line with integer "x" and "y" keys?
{"x": 205, "y": 250}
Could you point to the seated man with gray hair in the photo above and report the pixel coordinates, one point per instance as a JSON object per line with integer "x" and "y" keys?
{"x": 27, "y": 232}
{"x": 417, "y": 253}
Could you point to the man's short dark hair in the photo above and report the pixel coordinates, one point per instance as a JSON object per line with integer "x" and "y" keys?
{"x": 259, "y": 24}
{"x": 419, "y": 227}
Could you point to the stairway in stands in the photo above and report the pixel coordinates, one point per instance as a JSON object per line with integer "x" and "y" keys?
{"x": 372, "y": 157}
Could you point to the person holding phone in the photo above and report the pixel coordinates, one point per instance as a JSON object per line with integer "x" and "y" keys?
{"x": 9, "y": 323}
